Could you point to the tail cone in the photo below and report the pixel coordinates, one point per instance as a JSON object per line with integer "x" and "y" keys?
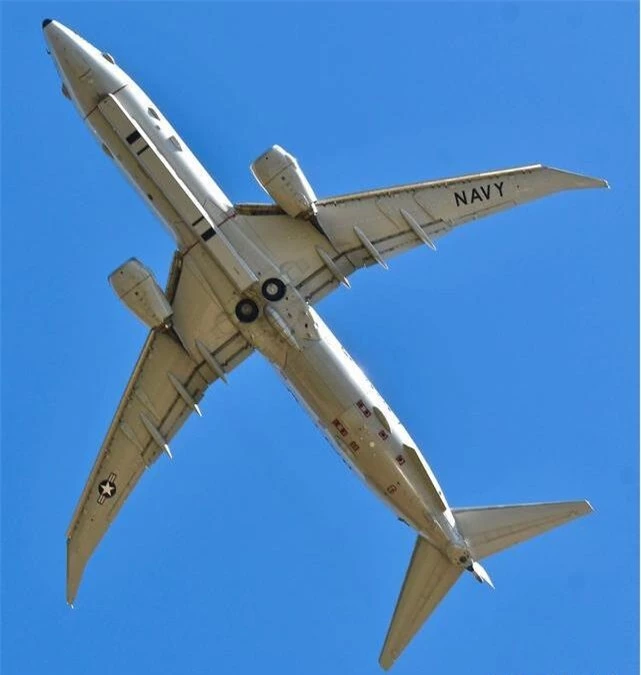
{"x": 480, "y": 574}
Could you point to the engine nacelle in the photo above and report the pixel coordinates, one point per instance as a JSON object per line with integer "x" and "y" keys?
{"x": 280, "y": 176}
{"x": 136, "y": 286}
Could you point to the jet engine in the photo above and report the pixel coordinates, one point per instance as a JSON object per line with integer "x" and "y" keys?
{"x": 280, "y": 176}
{"x": 137, "y": 288}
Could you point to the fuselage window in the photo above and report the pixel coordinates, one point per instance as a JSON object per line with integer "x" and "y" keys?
{"x": 175, "y": 142}
{"x": 153, "y": 113}
{"x": 108, "y": 57}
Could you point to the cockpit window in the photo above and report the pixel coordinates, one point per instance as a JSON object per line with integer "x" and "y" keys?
{"x": 108, "y": 57}
{"x": 153, "y": 113}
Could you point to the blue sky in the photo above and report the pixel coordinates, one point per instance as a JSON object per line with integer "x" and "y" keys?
{"x": 511, "y": 354}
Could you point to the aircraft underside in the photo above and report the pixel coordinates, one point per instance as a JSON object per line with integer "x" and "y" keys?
{"x": 245, "y": 278}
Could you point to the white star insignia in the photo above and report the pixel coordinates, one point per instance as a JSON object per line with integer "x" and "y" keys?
{"x": 107, "y": 489}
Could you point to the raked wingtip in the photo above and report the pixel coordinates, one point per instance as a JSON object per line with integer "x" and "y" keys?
{"x": 572, "y": 179}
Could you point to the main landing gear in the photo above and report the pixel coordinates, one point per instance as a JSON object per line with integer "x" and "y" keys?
{"x": 246, "y": 311}
{"x": 273, "y": 290}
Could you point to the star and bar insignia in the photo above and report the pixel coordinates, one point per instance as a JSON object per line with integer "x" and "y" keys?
{"x": 107, "y": 488}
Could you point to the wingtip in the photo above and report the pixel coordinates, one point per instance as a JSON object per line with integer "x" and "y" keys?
{"x": 75, "y": 569}
{"x": 579, "y": 180}
{"x": 582, "y": 508}
{"x": 72, "y": 589}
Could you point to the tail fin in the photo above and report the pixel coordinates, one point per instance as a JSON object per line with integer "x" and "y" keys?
{"x": 491, "y": 529}
{"x": 429, "y": 577}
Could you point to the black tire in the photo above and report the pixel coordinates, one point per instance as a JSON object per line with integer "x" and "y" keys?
{"x": 246, "y": 311}
{"x": 274, "y": 289}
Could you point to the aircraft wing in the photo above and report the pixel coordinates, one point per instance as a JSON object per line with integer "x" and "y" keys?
{"x": 361, "y": 229}
{"x": 163, "y": 390}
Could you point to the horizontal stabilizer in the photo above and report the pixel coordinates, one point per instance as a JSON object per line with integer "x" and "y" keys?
{"x": 429, "y": 577}
{"x": 493, "y": 528}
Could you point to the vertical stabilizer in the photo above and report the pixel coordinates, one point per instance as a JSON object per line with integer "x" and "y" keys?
{"x": 491, "y": 529}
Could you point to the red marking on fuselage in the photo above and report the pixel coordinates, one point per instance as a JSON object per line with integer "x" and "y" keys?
{"x": 363, "y": 408}
{"x": 340, "y": 426}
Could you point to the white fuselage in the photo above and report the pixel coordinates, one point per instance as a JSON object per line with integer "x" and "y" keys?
{"x": 315, "y": 366}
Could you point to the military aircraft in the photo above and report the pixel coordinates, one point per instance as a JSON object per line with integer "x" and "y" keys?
{"x": 245, "y": 278}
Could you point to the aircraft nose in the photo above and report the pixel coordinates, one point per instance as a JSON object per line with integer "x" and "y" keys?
{"x": 87, "y": 73}
{"x": 67, "y": 48}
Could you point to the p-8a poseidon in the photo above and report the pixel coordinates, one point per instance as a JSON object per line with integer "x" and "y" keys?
{"x": 245, "y": 277}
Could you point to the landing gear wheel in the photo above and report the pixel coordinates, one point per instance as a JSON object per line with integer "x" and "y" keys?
{"x": 247, "y": 311}
{"x": 274, "y": 289}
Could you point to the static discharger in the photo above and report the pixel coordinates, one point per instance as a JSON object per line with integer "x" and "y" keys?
{"x": 416, "y": 228}
{"x": 185, "y": 395}
{"x": 331, "y": 266}
{"x": 155, "y": 434}
{"x": 371, "y": 249}
{"x": 276, "y": 320}
{"x": 211, "y": 361}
